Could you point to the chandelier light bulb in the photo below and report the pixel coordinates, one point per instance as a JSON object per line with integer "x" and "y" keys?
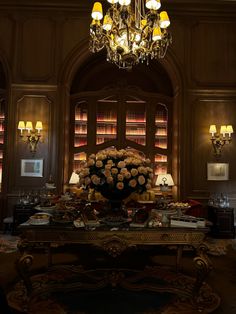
{"x": 153, "y": 4}
{"x": 97, "y": 13}
{"x": 164, "y": 19}
{"x": 130, "y": 32}
{"x": 124, "y": 2}
{"x": 107, "y": 23}
{"x": 156, "y": 34}
{"x": 143, "y": 23}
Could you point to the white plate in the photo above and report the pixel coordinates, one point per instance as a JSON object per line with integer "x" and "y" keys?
{"x": 79, "y": 223}
{"x": 49, "y": 209}
{"x": 38, "y": 222}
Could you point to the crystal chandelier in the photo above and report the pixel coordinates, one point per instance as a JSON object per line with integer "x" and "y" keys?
{"x": 132, "y": 31}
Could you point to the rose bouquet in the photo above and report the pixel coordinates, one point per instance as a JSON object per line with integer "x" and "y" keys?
{"x": 117, "y": 173}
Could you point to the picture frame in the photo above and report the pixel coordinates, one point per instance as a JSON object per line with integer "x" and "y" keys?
{"x": 32, "y": 167}
{"x": 217, "y": 171}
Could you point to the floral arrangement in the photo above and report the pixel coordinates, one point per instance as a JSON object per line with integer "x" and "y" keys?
{"x": 117, "y": 173}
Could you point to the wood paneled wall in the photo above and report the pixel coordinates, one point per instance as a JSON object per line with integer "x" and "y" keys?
{"x": 43, "y": 46}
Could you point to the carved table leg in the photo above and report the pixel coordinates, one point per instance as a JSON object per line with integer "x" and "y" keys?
{"x": 179, "y": 258}
{"x": 203, "y": 266}
{"x": 23, "y": 265}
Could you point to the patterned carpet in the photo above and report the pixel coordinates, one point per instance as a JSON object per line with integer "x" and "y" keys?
{"x": 68, "y": 290}
{"x": 8, "y": 243}
{"x": 166, "y": 302}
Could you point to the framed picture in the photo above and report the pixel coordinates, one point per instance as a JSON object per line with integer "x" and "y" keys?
{"x": 31, "y": 167}
{"x": 218, "y": 171}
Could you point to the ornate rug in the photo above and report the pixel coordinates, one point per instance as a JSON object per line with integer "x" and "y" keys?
{"x": 8, "y": 243}
{"x": 218, "y": 247}
{"x": 73, "y": 290}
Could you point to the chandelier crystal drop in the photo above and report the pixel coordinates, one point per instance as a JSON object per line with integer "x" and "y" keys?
{"x": 132, "y": 31}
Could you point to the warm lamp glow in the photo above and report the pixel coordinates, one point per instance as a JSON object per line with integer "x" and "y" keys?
{"x": 107, "y": 23}
{"x": 97, "y": 11}
{"x": 124, "y": 2}
{"x": 39, "y": 126}
{"x": 132, "y": 31}
{"x": 212, "y": 129}
{"x": 218, "y": 140}
{"x": 153, "y": 4}
{"x": 229, "y": 130}
{"x": 74, "y": 179}
{"x": 223, "y": 130}
{"x": 21, "y": 125}
{"x": 32, "y": 136}
{"x": 156, "y": 35}
{"x": 29, "y": 126}
{"x": 164, "y": 19}
{"x": 164, "y": 179}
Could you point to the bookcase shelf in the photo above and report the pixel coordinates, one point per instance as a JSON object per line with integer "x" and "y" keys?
{"x": 2, "y": 133}
{"x": 122, "y": 120}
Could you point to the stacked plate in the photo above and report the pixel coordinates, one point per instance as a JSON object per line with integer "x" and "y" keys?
{"x": 40, "y": 219}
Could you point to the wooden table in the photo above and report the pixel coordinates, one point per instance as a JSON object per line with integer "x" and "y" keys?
{"x": 115, "y": 242}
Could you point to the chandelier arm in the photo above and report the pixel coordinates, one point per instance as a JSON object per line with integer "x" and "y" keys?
{"x": 142, "y": 32}
{"x": 128, "y": 35}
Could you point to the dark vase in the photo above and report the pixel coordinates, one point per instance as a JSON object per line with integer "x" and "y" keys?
{"x": 115, "y": 195}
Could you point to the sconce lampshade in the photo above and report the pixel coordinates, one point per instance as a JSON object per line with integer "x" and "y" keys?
{"x": 21, "y": 125}
{"x": 164, "y": 179}
{"x": 212, "y": 129}
{"x": 29, "y": 125}
{"x": 39, "y": 125}
{"x": 223, "y": 130}
{"x": 229, "y": 129}
{"x": 74, "y": 179}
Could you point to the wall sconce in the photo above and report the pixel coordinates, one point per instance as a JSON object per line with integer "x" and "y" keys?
{"x": 218, "y": 140}
{"x": 30, "y": 135}
{"x": 164, "y": 181}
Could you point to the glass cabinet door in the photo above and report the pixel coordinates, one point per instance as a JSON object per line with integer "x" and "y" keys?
{"x": 79, "y": 158}
{"x": 161, "y": 126}
{"x": 81, "y": 124}
{"x": 161, "y": 139}
{"x": 160, "y": 163}
{"x": 106, "y": 121}
{"x": 2, "y": 136}
{"x": 123, "y": 120}
{"x": 136, "y": 123}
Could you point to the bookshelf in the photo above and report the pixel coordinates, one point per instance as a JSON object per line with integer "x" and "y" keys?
{"x": 2, "y": 137}
{"x": 106, "y": 123}
{"x": 136, "y": 123}
{"x": 122, "y": 120}
{"x": 81, "y": 124}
